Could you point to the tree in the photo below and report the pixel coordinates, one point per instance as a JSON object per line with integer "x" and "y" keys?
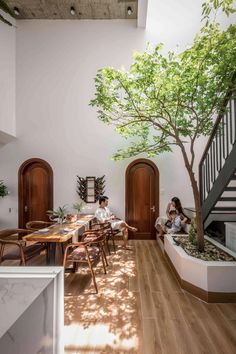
{"x": 172, "y": 100}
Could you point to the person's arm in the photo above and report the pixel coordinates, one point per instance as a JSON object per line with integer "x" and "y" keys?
{"x": 167, "y": 210}
{"x": 176, "y": 226}
{"x": 184, "y": 219}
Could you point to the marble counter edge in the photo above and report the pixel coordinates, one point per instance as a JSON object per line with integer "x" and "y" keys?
{"x": 19, "y": 287}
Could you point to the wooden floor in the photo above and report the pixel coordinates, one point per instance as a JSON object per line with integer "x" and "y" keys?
{"x": 140, "y": 308}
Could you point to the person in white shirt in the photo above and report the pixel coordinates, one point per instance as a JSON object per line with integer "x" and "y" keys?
{"x": 104, "y": 214}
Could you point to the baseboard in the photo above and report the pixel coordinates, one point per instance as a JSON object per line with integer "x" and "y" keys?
{"x": 207, "y": 296}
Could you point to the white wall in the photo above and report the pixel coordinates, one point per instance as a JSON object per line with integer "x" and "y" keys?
{"x": 7, "y": 79}
{"x": 175, "y": 23}
{"x": 56, "y": 62}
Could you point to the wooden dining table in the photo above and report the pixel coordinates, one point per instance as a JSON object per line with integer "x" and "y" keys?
{"x": 59, "y": 234}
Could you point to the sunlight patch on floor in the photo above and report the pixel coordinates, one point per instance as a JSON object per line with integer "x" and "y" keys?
{"x": 98, "y": 336}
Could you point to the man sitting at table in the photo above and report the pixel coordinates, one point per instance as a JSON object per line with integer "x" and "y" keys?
{"x": 103, "y": 214}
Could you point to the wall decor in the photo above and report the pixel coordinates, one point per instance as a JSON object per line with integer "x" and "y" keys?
{"x": 90, "y": 188}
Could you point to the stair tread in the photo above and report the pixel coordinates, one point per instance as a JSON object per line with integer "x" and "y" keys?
{"x": 230, "y": 188}
{"x": 221, "y": 208}
{"x": 227, "y": 199}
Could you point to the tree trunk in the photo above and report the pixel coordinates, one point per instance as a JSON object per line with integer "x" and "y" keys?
{"x": 197, "y": 200}
{"x": 199, "y": 222}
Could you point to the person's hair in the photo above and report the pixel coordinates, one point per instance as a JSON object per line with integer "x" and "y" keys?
{"x": 172, "y": 211}
{"x": 103, "y": 198}
{"x": 178, "y": 205}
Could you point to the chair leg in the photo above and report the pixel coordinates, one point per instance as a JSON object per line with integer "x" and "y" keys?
{"x": 93, "y": 276}
{"x": 22, "y": 257}
{"x": 74, "y": 267}
{"x": 104, "y": 254}
{"x": 103, "y": 261}
{"x": 108, "y": 247}
{"x": 113, "y": 241}
{"x": 1, "y": 252}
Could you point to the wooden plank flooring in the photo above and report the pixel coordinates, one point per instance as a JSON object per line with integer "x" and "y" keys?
{"x": 141, "y": 309}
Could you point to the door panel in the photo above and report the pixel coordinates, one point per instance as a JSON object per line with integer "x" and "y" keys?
{"x": 35, "y": 191}
{"x": 142, "y": 197}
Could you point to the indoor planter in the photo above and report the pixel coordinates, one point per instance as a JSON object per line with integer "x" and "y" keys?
{"x": 211, "y": 281}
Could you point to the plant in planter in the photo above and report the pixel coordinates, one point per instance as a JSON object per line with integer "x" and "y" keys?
{"x": 3, "y": 189}
{"x": 78, "y": 207}
{"x": 171, "y": 100}
{"x": 59, "y": 214}
{"x": 192, "y": 235}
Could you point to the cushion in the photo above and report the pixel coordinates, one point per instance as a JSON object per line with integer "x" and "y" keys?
{"x": 79, "y": 254}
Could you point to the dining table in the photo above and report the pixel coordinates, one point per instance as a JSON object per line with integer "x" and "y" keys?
{"x": 59, "y": 234}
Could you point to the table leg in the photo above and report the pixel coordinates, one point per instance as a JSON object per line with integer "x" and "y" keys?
{"x": 51, "y": 253}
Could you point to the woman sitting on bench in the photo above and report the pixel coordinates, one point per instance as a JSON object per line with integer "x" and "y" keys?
{"x": 163, "y": 222}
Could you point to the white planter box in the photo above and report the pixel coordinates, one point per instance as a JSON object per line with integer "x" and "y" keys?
{"x": 212, "y": 277}
{"x": 230, "y": 235}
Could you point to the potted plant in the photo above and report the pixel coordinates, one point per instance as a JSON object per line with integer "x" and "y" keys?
{"x": 78, "y": 207}
{"x": 59, "y": 214}
{"x": 3, "y": 189}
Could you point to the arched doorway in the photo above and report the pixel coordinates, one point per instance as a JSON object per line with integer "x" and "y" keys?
{"x": 35, "y": 190}
{"x": 142, "y": 197}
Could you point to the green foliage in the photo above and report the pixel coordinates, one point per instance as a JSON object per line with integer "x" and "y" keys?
{"x": 192, "y": 235}
{"x": 213, "y": 6}
{"x": 170, "y": 99}
{"x": 3, "y": 189}
{"x": 60, "y": 212}
{"x": 4, "y": 7}
{"x": 78, "y": 206}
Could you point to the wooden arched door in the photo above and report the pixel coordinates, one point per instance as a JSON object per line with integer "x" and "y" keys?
{"x": 35, "y": 189}
{"x": 142, "y": 198}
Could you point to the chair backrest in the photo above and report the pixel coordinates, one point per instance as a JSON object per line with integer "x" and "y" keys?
{"x": 37, "y": 225}
{"x": 19, "y": 250}
{"x": 13, "y": 233}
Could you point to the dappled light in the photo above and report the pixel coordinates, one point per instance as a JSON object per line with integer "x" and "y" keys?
{"x": 107, "y": 322}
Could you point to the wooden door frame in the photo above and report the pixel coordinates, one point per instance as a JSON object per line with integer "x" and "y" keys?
{"x": 21, "y": 187}
{"x": 157, "y": 183}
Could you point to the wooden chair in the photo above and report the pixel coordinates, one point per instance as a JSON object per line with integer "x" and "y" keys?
{"x": 98, "y": 238}
{"x": 85, "y": 252}
{"x": 37, "y": 225}
{"x": 19, "y": 250}
{"x": 109, "y": 233}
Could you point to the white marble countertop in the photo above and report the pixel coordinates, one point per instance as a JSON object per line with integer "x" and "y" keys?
{"x": 19, "y": 287}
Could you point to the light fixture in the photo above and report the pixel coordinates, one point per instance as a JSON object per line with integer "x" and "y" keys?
{"x": 72, "y": 11}
{"x": 129, "y": 11}
{"x": 16, "y": 11}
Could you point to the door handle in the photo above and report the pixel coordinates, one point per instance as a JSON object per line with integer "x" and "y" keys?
{"x": 153, "y": 209}
{"x": 26, "y": 208}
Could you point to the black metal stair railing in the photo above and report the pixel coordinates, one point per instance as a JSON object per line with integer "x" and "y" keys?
{"x": 217, "y": 151}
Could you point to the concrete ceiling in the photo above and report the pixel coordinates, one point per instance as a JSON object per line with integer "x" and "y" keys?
{"x": 84, "y": 9}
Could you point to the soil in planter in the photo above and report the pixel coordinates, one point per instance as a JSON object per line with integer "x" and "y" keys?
{"x": 211, "y": 252}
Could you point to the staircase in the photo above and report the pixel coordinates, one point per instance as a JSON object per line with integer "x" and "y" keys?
{"x": 217, "y": 170}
